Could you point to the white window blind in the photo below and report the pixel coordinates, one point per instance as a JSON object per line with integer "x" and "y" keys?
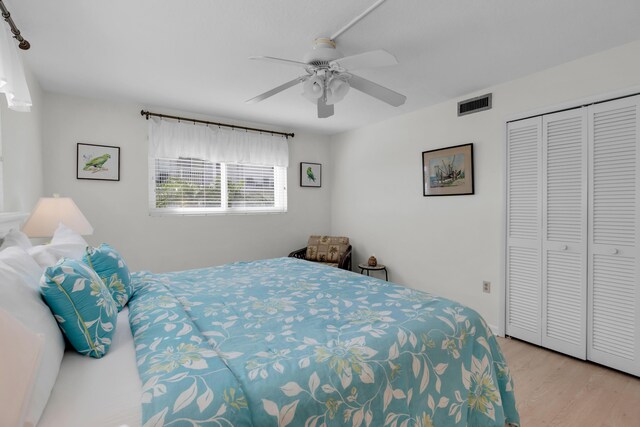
{"x": 253, "y": 186}
{"x": 195, "y": 186}
{"x": 187, "y": 183}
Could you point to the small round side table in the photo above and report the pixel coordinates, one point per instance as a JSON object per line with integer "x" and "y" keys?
{"x": 380, "y": 267}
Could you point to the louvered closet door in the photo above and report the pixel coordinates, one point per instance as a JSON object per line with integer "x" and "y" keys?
{"x": 564, "y": 232}
{"x": 614, "y": 292}
{"x": 523, "y": 229}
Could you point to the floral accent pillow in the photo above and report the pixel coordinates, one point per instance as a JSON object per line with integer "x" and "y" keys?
{"x": 113, "y": 271}
{"x": 82, "y": 306}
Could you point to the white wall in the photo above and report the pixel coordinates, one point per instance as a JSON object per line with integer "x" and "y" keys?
{"x": 449, "y": 245}
{"x": 22, "y": 152}
{"x": 118, "y": 211}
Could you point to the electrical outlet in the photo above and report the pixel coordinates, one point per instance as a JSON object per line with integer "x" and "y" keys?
{"x": 486, "y": 287}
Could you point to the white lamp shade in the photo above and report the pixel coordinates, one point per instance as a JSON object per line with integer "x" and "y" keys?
{"x": 313, "y": 88}
{"x": 336, "y": 90}
{"x": 50, "y": 212}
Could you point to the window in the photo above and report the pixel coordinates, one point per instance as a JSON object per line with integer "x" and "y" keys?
{"x": 199, "y": 170}
{"x": 196, "y": 186}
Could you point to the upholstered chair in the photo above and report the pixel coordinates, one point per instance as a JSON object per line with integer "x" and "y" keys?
{"x": 329, "y": 250}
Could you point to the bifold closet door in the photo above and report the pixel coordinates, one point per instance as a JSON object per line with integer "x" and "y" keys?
{"x": 523, "y": 229}
{"x": 614, "y": 224}
{"x": 564, "y": 232}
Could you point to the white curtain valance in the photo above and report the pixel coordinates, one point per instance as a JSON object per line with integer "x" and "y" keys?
{"x": 13, "y": 82}
{"x": 171, "y": 139}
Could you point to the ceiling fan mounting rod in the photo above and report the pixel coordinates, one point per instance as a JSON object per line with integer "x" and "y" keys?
{"x": 355, "y": 20}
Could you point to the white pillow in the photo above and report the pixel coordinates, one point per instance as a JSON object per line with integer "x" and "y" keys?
{"x": 44, "y": 255}
{"x": 20, "y": 297}
{"x": 16, "y": 238}
{"x": 24, "y": 265}
{"x": 19, "y": 362}
{"x": 65, "y": 243}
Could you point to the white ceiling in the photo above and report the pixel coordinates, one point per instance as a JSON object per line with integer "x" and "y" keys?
{"x": 191, "y": 55}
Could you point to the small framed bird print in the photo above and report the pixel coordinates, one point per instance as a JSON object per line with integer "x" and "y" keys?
{"x": 310, "y": 174}
{"x": 100, "y": 162}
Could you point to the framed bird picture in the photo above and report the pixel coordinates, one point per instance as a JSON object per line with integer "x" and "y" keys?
{"x": 100, "y": 162}
{"x": 310, "y": 174}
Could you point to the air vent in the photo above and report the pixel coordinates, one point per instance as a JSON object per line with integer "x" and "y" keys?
{"x": 474, "y": 105}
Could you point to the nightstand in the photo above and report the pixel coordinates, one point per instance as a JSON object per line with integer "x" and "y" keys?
{"x": 379, "y": 267}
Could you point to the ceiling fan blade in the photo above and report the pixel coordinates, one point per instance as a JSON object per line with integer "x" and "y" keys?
{"x": 372, "y": 59}
{"x": 276, "y": 90}
{"x": 279, "y": 60}
{"x": 324, "y": 110}
{"x": 380, "y": 92}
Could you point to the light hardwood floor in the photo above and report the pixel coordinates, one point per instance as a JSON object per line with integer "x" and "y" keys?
{"x": 560, "y": 391}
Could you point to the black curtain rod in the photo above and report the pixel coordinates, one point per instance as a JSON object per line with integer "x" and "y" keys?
{"x": 24, "y": 45}
{"x": 147, "y": 114}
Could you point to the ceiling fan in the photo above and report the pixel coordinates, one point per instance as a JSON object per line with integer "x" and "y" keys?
{"x": 329, "y": 75}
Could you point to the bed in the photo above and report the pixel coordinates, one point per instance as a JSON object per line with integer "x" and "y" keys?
{"x": 286, "y": 342}
{"x": 73, "y": 401}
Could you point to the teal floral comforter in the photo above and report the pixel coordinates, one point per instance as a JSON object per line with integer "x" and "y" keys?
{"x": 286, "y": 342}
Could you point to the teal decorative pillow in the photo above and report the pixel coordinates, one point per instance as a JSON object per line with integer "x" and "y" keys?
{"x": 82, "y": 305}
{"x": 113, "y": 271}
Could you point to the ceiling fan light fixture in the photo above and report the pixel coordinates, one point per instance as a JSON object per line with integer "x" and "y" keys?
{"x": 328, "y": 75}
{"x": 313, "y": 88}
{"x": 337, "y": 89}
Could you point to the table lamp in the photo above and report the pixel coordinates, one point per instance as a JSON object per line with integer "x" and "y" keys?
{"x": 50, "y": 212}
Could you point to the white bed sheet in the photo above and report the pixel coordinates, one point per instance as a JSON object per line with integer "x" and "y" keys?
{"x": 98, "y": 392}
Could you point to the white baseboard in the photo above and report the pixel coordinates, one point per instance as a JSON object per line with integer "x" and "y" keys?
{"x": 495, "y": 330}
